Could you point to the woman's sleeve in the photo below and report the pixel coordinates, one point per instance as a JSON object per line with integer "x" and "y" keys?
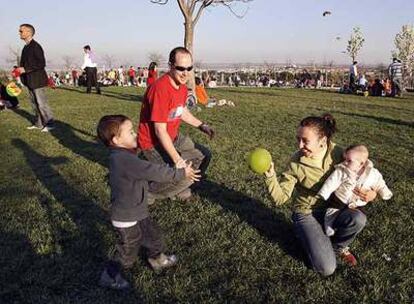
{"x": 282, "y": 190}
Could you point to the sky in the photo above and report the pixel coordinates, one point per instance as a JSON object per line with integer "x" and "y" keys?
{"x": 272, "y": 30}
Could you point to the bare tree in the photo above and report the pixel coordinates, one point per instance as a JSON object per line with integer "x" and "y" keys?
{"x": 355, "y": 43}
{"x": 156, "y": 57}
{"x": 68, "y": 61}
{"x": 404, "y": 43}
{"x": 108, "y": 61}
{"x": 14, "y": 56}
{"x": 192, "y": 11}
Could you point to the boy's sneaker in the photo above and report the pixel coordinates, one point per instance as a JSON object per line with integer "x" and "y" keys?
{"x": 117, "y": 283}
{"x": 347, "y": 257}
{"x": 33, "y": 127}
{"x": 162, "y": 261}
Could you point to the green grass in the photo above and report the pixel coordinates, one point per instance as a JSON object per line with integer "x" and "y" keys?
{"x": 234, "y": 245}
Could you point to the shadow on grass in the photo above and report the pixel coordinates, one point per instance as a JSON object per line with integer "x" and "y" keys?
{"x": 272, "y": 225}
{"x": 254, "y": 91}
{"x": 17, "y": 261}
{"x": 379, "y": 119}
{"x": 123, "y": 96}
{"x": 73, "y": 270}
{"x": 82, "y": 211}
{"x": 81, "y": 90}
{"x": 67, "y": 137}
{"x": 116, "y": 95}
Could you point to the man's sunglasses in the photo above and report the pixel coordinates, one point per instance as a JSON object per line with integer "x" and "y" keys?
{"x": 182, "y": 69}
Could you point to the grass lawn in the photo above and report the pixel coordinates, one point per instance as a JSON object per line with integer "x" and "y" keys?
{"x": 234, "y": 245}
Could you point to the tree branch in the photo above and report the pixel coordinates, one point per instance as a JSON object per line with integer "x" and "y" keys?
{"x": 161, "y": 2}
{"x": 228, "y": 4}
{"x": 184, "y": 9}
{"x": 193, "y": 5}
{"x": 203, "y": 5}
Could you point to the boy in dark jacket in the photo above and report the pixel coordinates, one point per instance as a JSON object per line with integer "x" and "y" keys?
{"x": 128, "y": 179}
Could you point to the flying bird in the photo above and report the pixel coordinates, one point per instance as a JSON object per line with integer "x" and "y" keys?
{"x": 326, "y": 13}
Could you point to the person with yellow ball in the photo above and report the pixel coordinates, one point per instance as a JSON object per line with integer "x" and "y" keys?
{"x": 304, "y": 176}
{"x": 13, "y": 89}
{"x": 8, "y": 96}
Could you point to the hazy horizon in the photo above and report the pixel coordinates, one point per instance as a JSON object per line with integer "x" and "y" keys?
{"x": 271, "y": 31}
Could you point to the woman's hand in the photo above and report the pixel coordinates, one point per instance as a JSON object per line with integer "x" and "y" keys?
{"x": 365, "y": 195}
{"x": 271, "y": 171}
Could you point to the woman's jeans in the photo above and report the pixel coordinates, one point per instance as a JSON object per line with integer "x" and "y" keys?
{"x": 321, "y": 249}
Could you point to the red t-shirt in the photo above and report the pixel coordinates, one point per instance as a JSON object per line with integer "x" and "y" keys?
{"x": 152, "y": 76}
{"x": 162, "y": 103}
{"x": 131, "y": 73}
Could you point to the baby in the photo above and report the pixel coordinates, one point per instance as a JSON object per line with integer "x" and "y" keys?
{"x": 357, "y": 171}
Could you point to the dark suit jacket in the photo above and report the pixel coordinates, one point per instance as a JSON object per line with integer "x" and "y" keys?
{"x": 33, "y": 61}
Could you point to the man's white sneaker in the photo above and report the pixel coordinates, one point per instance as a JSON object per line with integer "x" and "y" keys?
{"x": 33, "y": 127}
{"x": 47, "y": 129}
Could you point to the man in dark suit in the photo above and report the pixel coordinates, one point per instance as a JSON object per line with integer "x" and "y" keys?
{"x": 34, "y": 77}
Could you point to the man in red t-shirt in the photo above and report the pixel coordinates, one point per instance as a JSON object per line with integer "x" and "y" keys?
{"x": 162, "y": 111}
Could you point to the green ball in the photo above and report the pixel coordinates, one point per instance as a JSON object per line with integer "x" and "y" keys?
{"x": 259, "y": 160}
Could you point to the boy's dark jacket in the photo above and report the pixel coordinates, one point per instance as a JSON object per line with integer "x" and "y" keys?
{"x": 128, "y": 179}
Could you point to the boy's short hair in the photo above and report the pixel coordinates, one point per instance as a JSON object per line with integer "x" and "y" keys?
{"x": 87, "y": 47}
{"x": 108, "y": 128}
{"x": 197, "y": 80}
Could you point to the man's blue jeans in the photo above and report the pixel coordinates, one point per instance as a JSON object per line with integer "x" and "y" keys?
{"x": 319, "y": 248}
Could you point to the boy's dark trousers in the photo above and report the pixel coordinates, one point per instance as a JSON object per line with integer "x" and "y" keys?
{"x": 91, "y": 80}
{"x": 146, "y": 234}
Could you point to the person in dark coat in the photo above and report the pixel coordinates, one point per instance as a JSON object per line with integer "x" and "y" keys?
{"x": 34, "y": 77}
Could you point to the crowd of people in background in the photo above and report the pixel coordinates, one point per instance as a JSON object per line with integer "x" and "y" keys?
{"x": 112, "y": 77}
{"x": 355, "y": 83}
{"x": 391, "y": 86}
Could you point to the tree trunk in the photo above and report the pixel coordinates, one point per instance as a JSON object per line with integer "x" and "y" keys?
{"x": 188, "y": 43}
